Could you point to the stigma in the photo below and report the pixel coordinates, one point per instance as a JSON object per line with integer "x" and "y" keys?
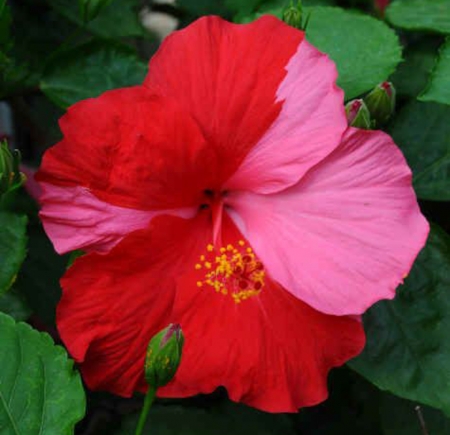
{"x": 233, "y": 271}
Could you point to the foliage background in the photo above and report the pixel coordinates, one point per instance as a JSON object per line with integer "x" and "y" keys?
{"x": 51, "y": 58}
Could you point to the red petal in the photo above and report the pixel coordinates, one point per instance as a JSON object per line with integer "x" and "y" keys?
{"x": 131, "y": 149}
{"x": 113, "y": 304}
{"x": 271, "y": 351}
{"x": 227, "y": 76}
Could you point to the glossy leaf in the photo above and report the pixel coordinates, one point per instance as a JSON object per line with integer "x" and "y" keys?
{"x": 372, "y": 50}
{"x": 371, "y": 53}
{"x": 40, "y": 393}
{"x": 13, "y": 241}
{"x": 89, "y": 70}
{"x": 422, "y": 130}
{"x": 433, "y": 15}
{"x": 407, "y": 350}
{"x": 438, "y": 89}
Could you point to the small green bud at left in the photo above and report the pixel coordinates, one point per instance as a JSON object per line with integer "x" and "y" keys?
{"x": 381, "y": 102}
{"x": 89, "y": 9}
{"x": 358, "y": 114}
{"x": 293, "y": 15}
{"x": 10, "y": 176}
{"x": 163, "y": 356}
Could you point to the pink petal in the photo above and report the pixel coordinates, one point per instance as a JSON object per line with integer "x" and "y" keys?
{"x": 347, "y": 234}
{"x": 308, "y": 128}
{"x": 226, "y": 76}
{"x": 74, "y": 218}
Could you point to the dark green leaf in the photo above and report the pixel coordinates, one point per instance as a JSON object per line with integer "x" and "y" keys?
{"x": 407, "y": 350}
{"x": 5, "y": 22}
{"x": 43, "y": 293}
{"x": 433, "y": 15}
{"x": 118, "y": 19}
{"x": 89, "y": 70}
{"x": 422, "y": 130}
{"x": 203, "y": 7}
{"x": 14, "y": 304}
{"x": 438, "y": 89}
{"x": 223, "y": 419}
{"x": 13, "y": 243}
{"x": 411, "y": 76}
{"x": 40, "y": 394}
{"x": 365, "y": 50}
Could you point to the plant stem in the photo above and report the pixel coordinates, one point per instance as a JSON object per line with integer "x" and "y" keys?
{"x": 149, "y": 398}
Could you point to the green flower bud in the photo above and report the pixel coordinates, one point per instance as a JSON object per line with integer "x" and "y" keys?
{"x": 381, "y": 102}
{"x": 89, "y": 9}
{"x": 293, "y": 15}
{"x": 163, "y": 356}
{"x": 10, "y": 176}
{"x": 358, "y": 114}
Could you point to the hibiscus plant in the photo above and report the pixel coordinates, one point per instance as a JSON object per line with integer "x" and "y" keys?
{"x": 224, "y": 216}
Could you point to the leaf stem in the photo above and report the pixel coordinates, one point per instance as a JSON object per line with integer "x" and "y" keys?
{"x": 149, "y": 398}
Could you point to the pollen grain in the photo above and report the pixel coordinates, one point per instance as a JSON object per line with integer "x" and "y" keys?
{"x": 232, "y": 271}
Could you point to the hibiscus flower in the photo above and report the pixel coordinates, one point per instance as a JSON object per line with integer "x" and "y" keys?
{"x": 226, "y": 194}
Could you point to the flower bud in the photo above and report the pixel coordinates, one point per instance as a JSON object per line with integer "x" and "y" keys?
{"x": 358, "y": 114}
{"x": 89, "y": 9}
{"x": 381, "y": 102}
{"x": 10, "y": 175}
{"x": 163, "y": 356}
{"x": 293, "y": 15}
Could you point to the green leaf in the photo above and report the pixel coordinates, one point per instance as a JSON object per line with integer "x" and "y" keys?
{"x": 5, "y": 23}
{"x": 223, "y": 419}
{"x": 14, "y": 304}
{"x": 433, "y": 15}
{"x": 411, "y": 76}
{"x": 407, "y": 350}
{"x": 117, "y": 20}
{"x": 365, "y": 50}
{"x": 89, "y": 70}
{"x": 42, "y": 294}
{"x": 422, "y": 131}
{"x": 203, "y": 7}
{"x": 438, "y": 89}
{"x": 40, "y": 393}
{"x": 13, "y": 242}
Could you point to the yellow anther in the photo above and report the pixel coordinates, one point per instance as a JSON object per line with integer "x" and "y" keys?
{"x": 234, "y": 272}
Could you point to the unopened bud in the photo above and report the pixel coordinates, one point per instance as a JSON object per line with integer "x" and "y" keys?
{"x": 293, "y": 15}
{"x": 381, "y": 102}
{"x": 89, "y": 9}
{"x": 10, "y": 175}
{"x": 163, "y": 356}
{"x": 358, "y": 114}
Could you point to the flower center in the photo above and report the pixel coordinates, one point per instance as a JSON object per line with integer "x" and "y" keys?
{"x": 232, "y": 271}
